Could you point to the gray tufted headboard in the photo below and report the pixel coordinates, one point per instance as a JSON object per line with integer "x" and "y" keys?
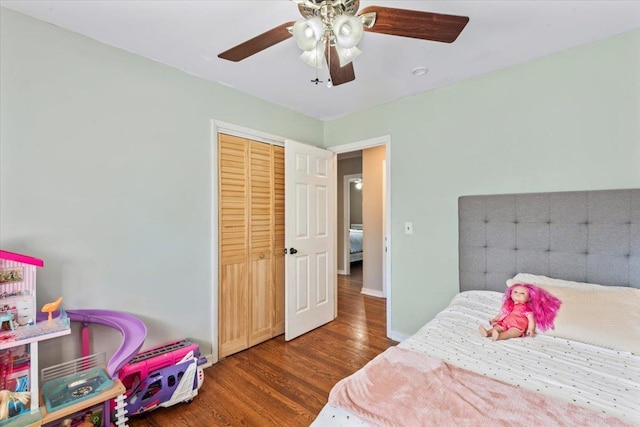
{"x": 584, "y": 236}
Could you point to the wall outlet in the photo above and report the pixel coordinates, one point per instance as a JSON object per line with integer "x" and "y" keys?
{"x": 408, "y": 228}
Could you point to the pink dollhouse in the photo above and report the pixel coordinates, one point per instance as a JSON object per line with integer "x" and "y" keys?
{"x": 17, "y": 308}
{"x": 19, "y": 337}
{"x": 17, "y": 289}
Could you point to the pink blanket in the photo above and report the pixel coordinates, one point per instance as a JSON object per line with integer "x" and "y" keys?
{"x": 405, "y": 388}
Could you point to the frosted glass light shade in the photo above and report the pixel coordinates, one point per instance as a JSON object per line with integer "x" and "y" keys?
{"x": 347, "y": 55}
{"x": 348, "y": 31}
{"x": 308, "y": 33}
{"x": 314, "y": 57}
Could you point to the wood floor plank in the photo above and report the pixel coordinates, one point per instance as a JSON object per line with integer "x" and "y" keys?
{"x": 279, "y": 383}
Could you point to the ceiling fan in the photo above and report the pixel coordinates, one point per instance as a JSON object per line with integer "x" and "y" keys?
{"x": 331, "y": 30}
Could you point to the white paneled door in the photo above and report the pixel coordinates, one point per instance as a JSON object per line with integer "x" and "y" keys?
{"x": 310, "y": 287}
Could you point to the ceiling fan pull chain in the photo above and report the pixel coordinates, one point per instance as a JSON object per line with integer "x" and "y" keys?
{"x": 316, "y": 80}
{"x": 329, "y": 83}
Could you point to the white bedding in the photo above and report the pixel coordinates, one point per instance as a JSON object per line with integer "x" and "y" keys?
{"x": 594, "y": 377}
{"x": 355, "y": 241}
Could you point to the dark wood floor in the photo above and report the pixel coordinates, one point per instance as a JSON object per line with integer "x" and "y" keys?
{"x": 280, "y": 383}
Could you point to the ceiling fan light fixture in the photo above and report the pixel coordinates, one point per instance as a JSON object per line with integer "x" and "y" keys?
{"x": 368, "y": 19}
{"x": 345, "y": 56}
{"x": 331, "y": 25}
{"x": 315, "y": 56}
{"x": 308, "y": 33}
{"x": 347, "y": 30}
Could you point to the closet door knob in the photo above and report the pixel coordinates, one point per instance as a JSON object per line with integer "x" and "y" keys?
{"x": 293, "y": 251}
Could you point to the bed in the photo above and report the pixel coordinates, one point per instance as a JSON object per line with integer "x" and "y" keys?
{"x": 355, "y": 242}
{"x": 582, "y": 246}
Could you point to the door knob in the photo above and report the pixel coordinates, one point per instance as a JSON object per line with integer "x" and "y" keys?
{"x": 293, "y": 251}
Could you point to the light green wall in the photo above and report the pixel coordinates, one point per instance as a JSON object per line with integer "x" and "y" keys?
{"x": 570, "y": 121}
{"x": 105, "y": 166}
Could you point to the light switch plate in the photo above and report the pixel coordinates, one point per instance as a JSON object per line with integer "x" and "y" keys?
{"x": 408, "y": 228}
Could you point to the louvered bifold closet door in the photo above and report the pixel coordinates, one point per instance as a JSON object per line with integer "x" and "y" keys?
{"x": 261, "y": 225}
{"x": 251, "y": 282}
{"x": 233, "y": 295}
{"x": 278, "y": 239}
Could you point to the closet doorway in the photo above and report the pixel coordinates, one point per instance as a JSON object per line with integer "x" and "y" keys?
{"x": 251, "y": 299}
{"x": 219, "y": 127}
{"x": 259, "y": 245}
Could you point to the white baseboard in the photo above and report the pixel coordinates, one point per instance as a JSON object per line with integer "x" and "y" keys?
{"x": 342, "y": 272}
{"x": 211, "y": 360}
{"x": 397, "y": 336}
{"x": 372, "y": 292}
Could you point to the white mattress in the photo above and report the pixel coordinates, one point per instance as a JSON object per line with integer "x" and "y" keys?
{"x": 594, "y": 377}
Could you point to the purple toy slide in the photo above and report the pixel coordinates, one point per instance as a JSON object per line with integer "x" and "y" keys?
{"x": 133, "y": 332}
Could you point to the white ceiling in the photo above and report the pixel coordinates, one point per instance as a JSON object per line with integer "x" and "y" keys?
{"x": 188, "y": 35}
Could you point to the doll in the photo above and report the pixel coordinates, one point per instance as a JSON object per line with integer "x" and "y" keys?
{"x": 13, "y": 403}
{"x": 524, "y": 307}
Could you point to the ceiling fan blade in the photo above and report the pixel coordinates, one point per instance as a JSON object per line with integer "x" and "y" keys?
{"x": 339, "y": 75}
{"x": 258, "y": 43}
{"x": 416, "y": 24}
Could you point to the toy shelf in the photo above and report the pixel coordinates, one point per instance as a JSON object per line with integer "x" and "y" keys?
{"x": 31, "y": 334}
{"x": 116, "y": 389}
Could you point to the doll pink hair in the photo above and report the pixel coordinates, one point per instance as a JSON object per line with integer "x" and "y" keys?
{"x": 542, "y": 304}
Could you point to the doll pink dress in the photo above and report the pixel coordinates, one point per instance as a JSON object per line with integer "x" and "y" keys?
{"x": 516, "y": 319}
